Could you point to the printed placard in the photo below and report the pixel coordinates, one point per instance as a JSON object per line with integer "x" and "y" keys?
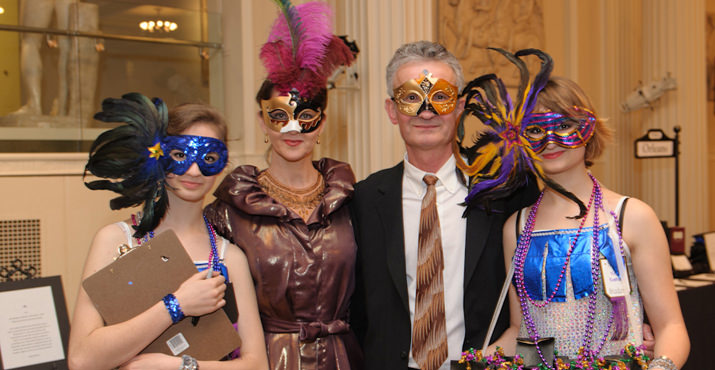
{"x": 34, "y": 327}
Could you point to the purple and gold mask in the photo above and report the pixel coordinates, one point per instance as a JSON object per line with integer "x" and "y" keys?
{"x": 285, "y": 113}
{"x": 565, "y": 131}
{"x": 181, "y": 151}
{"x": 426, "y": 93}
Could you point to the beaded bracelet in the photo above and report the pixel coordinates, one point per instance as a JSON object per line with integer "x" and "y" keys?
{"x": 172, "y": 305}
{"x": 188, "y": 363}
{"x": 663, "y": 363}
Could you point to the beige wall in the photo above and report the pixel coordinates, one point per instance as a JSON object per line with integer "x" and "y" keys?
{"x": 710, "y": 8}
{"x": 69, "y": 215}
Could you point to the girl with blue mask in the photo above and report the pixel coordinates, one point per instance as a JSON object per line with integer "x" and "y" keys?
{"x": 167, "y": 162}
{"x": 209, "y": 154}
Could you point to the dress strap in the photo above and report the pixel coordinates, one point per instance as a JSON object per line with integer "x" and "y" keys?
{"x": 127, "y": 232}
{"x": 521, "y": 216}
{"x": 518, "y": 224}
{"x": 621, "y": 211}
{"x": 222, "y": 249}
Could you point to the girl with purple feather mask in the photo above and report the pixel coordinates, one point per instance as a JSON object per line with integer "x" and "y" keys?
{"x": 291, "y": 219}
{"x": 582, "y": 280}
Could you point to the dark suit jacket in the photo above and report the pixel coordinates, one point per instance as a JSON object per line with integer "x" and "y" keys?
{"x": 380, "y": 311}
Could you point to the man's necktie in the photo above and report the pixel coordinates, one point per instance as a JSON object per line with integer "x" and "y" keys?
{"x": 429, "y": 333}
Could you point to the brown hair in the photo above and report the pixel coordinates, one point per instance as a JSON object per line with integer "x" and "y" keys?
{"x": 266, "y": 91}
{"x": 185, "y": 115}
{"x": 561, "y": 95}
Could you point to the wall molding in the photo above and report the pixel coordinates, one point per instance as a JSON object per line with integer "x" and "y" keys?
{"x": 42, "y": 164}
{"x": 71, "y": 164}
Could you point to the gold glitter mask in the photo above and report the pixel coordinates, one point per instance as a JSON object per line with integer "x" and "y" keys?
{"x": 285, "y": 113}
{"x": 426, "y": 93}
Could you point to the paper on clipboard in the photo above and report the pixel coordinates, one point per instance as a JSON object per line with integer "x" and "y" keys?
{"x": 140, "y": 279}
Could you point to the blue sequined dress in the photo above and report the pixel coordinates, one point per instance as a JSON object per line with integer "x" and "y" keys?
{"x": 566, "y": 316}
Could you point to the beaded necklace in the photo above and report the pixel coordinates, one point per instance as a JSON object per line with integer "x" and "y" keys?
{"x": 520, "y": 259}
{"x": 213, "y": 255}
{"x": 301, "y": 201}
{"x": 631, "y": 355}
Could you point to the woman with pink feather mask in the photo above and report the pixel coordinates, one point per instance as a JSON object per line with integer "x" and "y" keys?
{"x": 292, "y": 219}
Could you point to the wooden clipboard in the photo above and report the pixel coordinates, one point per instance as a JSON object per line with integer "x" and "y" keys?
{"x": 140, "y": 279}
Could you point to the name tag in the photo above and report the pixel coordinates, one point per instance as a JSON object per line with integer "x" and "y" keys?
{"x": 614, "y": 286}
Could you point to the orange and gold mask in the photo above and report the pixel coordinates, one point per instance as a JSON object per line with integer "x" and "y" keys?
{"x": 426, "y": 93}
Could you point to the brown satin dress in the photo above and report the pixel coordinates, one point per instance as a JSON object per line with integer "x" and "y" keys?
{"x": 303, "y": 271}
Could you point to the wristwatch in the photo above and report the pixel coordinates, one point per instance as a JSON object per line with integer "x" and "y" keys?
{"x": 189, "y": 363}
{"x": 662, "y": 362}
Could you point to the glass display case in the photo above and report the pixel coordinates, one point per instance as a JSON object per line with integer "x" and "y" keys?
{"x": 62, "y": 57}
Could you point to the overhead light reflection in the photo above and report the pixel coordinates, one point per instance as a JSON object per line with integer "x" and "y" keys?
{"x": 158, "y": 26}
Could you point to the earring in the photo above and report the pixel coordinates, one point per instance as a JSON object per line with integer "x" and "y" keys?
{"x": 318, "y": 142}
{"x": 265, "y": 138}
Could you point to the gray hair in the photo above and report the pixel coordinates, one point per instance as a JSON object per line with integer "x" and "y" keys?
{"x": 422, "y": 51}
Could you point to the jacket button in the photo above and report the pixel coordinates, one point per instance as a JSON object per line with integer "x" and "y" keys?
{"x": 403, "y": 355}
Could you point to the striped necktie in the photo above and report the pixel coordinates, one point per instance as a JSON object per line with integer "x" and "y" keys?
{"x": 429, "y": 332}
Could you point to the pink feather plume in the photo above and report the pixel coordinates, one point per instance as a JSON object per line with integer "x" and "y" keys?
{"x": 318, "y": 52}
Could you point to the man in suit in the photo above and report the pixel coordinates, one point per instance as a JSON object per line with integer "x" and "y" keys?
{"x": 386, "y": 218}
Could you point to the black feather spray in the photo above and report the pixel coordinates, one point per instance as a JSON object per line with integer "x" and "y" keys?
{"x": 130, "y": 158}
{"x": 500, "y": 160}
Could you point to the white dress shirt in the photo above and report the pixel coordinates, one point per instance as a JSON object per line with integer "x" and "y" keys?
{"x": 450, "y": 194}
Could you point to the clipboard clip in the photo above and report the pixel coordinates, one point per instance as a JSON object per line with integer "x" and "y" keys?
{"x": 123, "y": 249}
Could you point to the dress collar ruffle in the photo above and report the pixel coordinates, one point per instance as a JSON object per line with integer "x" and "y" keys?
{"x": 242, "y": 190}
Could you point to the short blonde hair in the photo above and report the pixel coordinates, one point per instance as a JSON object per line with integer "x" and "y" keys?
{"x": 561, "y": 95}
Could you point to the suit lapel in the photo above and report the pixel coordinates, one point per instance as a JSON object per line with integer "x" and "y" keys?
{"x": 478, "y": 228}
{"x": 389, "y": 209}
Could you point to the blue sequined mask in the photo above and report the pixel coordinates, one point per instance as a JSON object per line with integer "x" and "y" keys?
{"x": 182, "y": 151}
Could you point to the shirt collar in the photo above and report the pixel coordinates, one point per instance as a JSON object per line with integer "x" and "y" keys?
{"x": 447, "y": 176}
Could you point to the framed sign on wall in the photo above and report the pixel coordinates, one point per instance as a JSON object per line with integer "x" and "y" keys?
{"x": 34, "y": 326}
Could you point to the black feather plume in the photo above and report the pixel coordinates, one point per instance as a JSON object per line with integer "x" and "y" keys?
{"x": 130, "y": 156}
{"x": 499, "y": 160}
